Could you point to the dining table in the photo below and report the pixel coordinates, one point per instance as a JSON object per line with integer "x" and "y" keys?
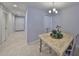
{"x": 57, "y": 45}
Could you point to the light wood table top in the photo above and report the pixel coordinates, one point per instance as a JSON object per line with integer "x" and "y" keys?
{"x": 58, "y": 45}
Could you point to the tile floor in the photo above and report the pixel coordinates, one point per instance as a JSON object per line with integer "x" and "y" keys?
{"x": 16, "y": 45}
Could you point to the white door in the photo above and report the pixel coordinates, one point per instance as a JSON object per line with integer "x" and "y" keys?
{"x": 6, "y": 25}
{"x": 0, "y": 33}
{"x": 47, "y": 23}
{"x": 19, "y": 23}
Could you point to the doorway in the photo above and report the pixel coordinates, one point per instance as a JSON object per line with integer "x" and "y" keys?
{"x": 19, "y": 23}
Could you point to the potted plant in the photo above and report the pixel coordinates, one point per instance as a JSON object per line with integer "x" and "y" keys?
{"x": 57, "y": 33}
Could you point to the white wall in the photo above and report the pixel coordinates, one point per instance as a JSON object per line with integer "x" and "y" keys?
{"x": 69, "y": 19}
{"x": 35, "y": 23}
{"x": 10, "y": 23}
{"x": 48, "y": 23}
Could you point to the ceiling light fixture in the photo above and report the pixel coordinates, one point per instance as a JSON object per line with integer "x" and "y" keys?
{"x": 14, "y": 5}
{"x": 54, "y": 10}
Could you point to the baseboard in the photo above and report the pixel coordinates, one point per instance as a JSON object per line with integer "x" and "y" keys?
{"x": 33, "y": 42}
{"x": 19, "y": 30}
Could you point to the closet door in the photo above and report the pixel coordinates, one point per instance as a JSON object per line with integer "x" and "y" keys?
{"x": 4, "y": 26}
{"x": 0, "y": 33}
{"x": 0, "y": 28}
{"x": 19, "y": 23}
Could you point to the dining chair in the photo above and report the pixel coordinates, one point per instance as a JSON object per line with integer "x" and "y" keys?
{"x": 71, "y": 48}
{"x": 76, "y": 47}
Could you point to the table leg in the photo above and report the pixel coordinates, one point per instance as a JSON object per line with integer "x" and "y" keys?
{"x": 40, "y": 45}
{"x": 50, "y": 50}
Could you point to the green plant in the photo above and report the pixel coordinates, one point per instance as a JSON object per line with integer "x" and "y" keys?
{"x": 54, "y": 31}
{"x": 56, "y": 34}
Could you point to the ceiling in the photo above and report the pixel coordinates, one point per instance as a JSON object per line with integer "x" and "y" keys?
{"x": 22, "y": 6}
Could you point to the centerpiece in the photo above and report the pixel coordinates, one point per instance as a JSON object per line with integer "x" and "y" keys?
{"x": 56, "y": 33}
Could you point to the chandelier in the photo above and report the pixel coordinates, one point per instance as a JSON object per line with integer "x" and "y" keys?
{"x": 54, "y": 10}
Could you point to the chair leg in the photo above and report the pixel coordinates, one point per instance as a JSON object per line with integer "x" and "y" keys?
{"x": 50, "y": 50}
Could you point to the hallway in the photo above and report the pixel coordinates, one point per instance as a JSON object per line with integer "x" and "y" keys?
{"x": 16, "y": 45}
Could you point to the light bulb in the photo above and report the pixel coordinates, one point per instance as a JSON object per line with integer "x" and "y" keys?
{"x": 54, "y": 9}
{"x": 49, "y": 11}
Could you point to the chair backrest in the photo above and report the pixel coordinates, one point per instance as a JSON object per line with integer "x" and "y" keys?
{"x": 75, "y": 44}
{"x": 77, "y": 40}
{"x": 73, "y": 47}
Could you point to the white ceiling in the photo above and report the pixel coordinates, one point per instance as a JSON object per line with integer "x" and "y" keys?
{"x": 22, "y": 6}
